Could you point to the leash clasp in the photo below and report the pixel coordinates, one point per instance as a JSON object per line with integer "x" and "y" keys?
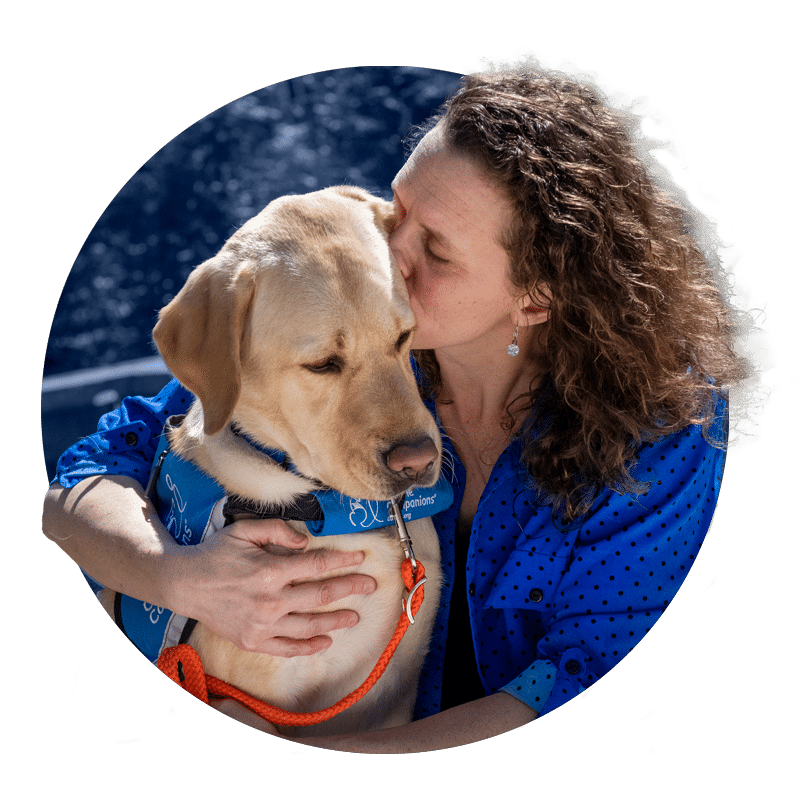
{"x": 402, "y": 531}
{"x": 405, "y": 541}
{"x": 407, "y": 601}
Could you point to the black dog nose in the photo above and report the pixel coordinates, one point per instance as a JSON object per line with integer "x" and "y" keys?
{"x": 412, "y": 459}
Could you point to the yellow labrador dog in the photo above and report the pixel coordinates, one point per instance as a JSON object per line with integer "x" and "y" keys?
{"x": 297, "y": 334}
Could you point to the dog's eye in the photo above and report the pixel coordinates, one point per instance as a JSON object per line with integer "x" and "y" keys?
{"x": 329, "y": 365}
{"x": 404, "y": 337}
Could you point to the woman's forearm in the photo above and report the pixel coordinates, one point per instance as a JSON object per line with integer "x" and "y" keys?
{"x": 108, "y": 527}
{"x": 465, "y": 724}
{"x": 260, "y": 600}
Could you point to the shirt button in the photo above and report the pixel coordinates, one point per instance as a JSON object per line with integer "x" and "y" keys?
{"x": 131, "y": 439}
{"x": 573, "y": 667}
{"x": 536, "y": 595}
{"x": 472, "y": 590}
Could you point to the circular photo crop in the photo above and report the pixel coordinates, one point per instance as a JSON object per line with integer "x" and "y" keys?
{"x": 396, "y": 403}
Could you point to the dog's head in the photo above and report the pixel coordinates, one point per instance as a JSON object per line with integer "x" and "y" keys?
{"x": 299, "y": 332}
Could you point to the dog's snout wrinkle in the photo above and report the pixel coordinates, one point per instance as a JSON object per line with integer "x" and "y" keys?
{"x": 412, "y": 459}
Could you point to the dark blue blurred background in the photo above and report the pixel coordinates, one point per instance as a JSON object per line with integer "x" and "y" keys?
{"x": 342, "y": 126}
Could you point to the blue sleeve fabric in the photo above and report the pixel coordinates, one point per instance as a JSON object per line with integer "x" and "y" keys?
{"x": 628, "y": 560}
{"x": 126, "y": 438}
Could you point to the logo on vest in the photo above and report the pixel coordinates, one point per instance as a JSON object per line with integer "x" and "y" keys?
{"x": 154, "y": 612}
{"x": 371, "y": 513}
{"x": 366, "y": 513}
{"x": 419, "y": 501}
{"x": 175, "y": 522}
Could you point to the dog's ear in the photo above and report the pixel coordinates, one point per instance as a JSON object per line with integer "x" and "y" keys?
{"x": 385, "y": 214}
{"x": 200, "y": 332}
{"x": 383, "y": 211}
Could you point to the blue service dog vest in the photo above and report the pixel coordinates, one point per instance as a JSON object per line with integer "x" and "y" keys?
{"x": 191, "y": 505}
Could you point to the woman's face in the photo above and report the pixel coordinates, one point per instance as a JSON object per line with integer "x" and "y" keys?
{"x": 446, "y": 244}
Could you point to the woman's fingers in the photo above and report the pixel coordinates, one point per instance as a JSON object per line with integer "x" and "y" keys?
{"x": 257, "y": 585}
{"x": 319, "y": 562}
{"x": 293, "y": 563}
{"x": 297, "y": 632}
{"x": 264, "y": 532}
{"x": 318, "y": 594}
{"x": 285, "y": 647}
{"x": 289, "y": 648}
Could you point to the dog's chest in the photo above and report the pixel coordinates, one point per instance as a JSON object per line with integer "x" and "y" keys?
{"x": 312, "y": 683}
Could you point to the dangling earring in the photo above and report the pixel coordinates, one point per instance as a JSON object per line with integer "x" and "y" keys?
{"x": 513, "y": 348}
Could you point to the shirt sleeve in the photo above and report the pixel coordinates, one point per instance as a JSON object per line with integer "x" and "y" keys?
{"x": 630, "y": 557}
{"x": 126, "y": 438}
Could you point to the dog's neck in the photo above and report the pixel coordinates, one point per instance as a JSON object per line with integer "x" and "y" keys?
{"x": 252, "y": 473}
{"x": 238, "y": 465}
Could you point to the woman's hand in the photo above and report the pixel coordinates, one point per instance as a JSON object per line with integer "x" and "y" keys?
{"x": 248, "y": 595}
{"x": 228, "y": 582}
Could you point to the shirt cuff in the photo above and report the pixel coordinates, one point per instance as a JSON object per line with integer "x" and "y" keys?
{"x": 535, "y": 685}
{"x": 545, "y": 686}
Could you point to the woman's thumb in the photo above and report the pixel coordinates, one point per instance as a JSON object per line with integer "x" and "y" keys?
{"x": 275, "y": 532}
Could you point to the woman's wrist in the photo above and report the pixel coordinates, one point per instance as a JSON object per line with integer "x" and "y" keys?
{"x": 179, "y": 574}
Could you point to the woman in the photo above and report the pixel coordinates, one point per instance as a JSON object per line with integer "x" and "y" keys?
{"x": 571, "y": 343}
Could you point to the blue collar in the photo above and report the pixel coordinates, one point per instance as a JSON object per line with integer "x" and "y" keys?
{"x": 324, "y": 511}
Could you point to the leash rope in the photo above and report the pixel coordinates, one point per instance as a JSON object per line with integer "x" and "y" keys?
{"x": 183, "y": 665}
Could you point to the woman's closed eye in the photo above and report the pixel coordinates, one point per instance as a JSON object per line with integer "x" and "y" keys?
{"x": 430, "y": 254}
{"x": 427, "y": 236}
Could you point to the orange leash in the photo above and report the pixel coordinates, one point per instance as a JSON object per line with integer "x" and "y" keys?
{"x": 183, "y": 665}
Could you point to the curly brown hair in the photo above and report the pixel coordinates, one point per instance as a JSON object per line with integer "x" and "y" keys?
{"x": 640, "y": 337}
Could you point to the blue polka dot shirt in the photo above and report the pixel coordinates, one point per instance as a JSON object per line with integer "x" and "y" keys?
{"x": 551, "y": 610}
